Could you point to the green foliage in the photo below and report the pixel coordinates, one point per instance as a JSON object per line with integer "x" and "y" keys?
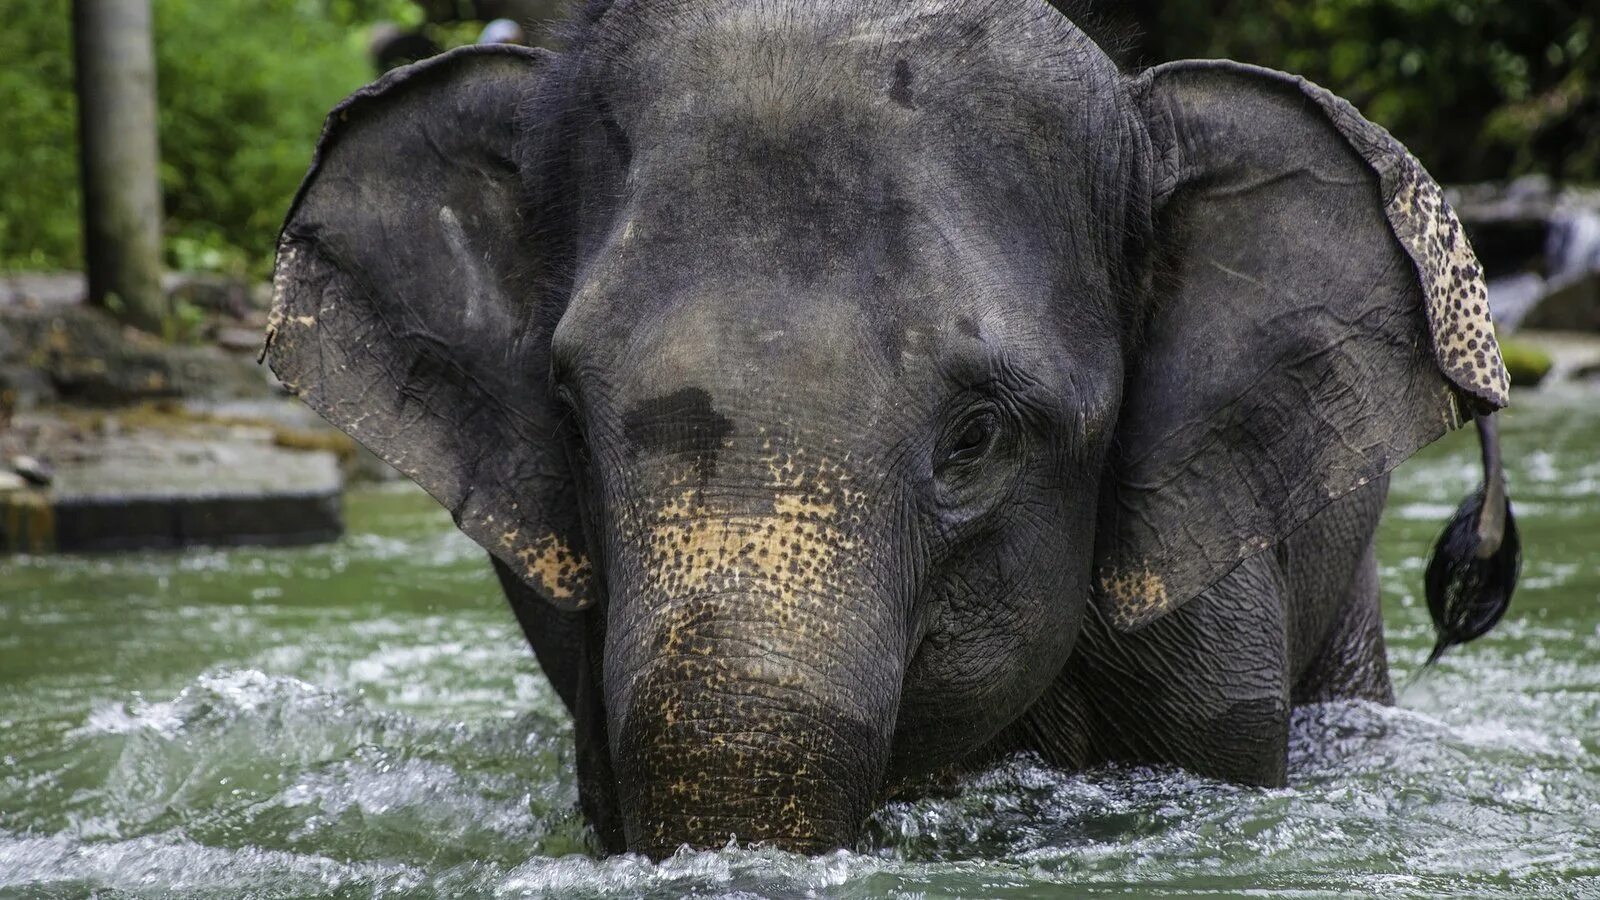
{"x": 38, "y": 122}
{"x": 186, "y": 323}
{"x": 1526, "y": 363}
{"x": 244, "y": 85}
{"x": 1478, "y": 89}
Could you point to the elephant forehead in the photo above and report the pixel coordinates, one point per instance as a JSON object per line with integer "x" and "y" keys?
{"x": 697, "y": 313}
{"x": 724, "y": 359}
{"x": 739, "y": 348}
{"x": 888, "y": 67}
{"x": 854, "y": 183}
{"x": 759, "y": 37}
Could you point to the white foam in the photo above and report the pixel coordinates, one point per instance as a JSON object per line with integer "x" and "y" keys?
{"x": 173, "y": 865}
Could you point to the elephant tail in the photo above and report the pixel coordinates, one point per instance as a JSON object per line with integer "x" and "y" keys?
{"x": 1475, "y": 562}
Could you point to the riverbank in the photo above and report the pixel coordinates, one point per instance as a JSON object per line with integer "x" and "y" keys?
{"x": 111, "y": 439}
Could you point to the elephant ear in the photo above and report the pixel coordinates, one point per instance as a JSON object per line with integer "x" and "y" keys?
{"x": 1316, "y": 317}
{"x": 410, "y": 311}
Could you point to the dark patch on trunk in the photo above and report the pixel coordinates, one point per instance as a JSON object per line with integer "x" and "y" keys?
{"x": 683, "y": 423}
{"x": 900, "y": 93}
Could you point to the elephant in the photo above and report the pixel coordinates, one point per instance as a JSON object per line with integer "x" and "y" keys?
{"x": 849, "y": 393}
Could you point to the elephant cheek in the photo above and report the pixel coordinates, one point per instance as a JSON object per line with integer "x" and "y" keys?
{"x": 753, "y": 680}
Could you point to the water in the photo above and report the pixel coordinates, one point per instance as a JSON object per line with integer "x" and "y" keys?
{"x": 363, "y": 720}
{"x": 1573, "y": 246}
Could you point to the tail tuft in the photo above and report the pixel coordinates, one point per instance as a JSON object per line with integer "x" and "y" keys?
{"x": 1473, "y": 571}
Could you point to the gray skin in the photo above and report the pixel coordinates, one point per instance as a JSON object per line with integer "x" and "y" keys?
{"x": 850, "y": 392}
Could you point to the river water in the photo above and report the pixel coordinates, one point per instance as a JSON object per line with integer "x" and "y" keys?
{"x": 363, "y": 720}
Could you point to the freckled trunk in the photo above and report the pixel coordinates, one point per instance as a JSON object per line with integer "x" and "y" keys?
{"x": 753, "y": 670}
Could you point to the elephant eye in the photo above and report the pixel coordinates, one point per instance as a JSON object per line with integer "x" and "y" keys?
{"x": 973, "y": 440}
{"x": 572, "y": 422}
{"x": 579, "y": 449}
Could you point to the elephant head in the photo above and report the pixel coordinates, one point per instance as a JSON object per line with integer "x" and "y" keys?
{"x": 843, "y": 357}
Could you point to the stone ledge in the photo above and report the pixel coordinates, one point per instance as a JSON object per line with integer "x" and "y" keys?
{"x": 183, "y": 484}
{"x": 39, "y": 522}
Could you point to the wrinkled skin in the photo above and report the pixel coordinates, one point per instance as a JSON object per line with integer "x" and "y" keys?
{"x": 850, "y": 392}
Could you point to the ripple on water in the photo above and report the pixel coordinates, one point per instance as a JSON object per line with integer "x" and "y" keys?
{"x": 246, "y": 783}
{"x": 168, "y": 865}
{"x": 1379, "y": 798}
{"x": 388, "y": 767}
{"x": 244, "y": 762}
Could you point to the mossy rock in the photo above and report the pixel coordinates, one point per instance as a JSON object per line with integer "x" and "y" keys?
{"x": 89, "y": 357}
{"x": 1526, "y": 363}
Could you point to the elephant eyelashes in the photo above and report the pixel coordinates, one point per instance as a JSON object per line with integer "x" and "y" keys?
{"x": 961, "y": 472}
{"x": 578, "y": 450}
{"x": 571, "y": 430}
{"x": 973, "y": 441}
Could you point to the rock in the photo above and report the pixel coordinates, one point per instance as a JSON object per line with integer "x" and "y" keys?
{"x": 1570, "y": 353}
{"x": 261, "y": 295}
{"x": 240, "y": 340}
{"x": 265, "y": 410}
{"x": 147, "y": 488}
{"x": 10, "y": 481}
{"x": 43, "y": 290}
{"x": 213, "y": 293}
{"x": 291, "y": 424}
{"x": 1570, "y": 304}
{"x": 1529, "y": 197}
{"x": 24, "y": 387}
{"x": 86, "y": 356}
{"x": 1511, "y": 296}
{"x": 1527, "y": 364}
{"x": 33, "y": 471}
{"x": 1534, "y": 187}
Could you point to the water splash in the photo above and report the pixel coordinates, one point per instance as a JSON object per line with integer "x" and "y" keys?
{"x": 243, "y": 723}
{"x": 1572, "y": 245}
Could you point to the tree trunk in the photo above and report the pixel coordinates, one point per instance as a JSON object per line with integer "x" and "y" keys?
{"x": 120, "y": 156}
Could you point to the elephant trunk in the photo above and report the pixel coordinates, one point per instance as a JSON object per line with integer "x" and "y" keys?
{"x": 753, "y": 671}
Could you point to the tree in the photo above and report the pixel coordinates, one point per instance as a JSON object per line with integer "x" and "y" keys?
{"x": 120, "y": 159}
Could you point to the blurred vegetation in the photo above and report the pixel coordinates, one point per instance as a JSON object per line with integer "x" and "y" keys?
{"x": 1480, "y": 89}
{"x": 244, "y": 85}
{"x": 38, "y": 167}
